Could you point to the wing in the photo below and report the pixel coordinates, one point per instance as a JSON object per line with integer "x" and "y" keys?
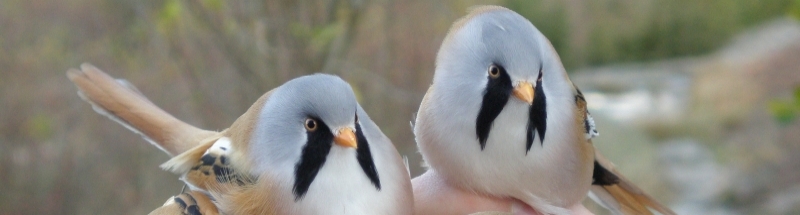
{"x": 610, "y": 188}
{"x": 123, "y": 103}
{"x": 210, "y": 168}
{"x": 201, "y": 157}
{"x": 235, "y": 191}
{"x": 189, "y": 203}
{"x": 207, "y": 167}
{"x": 207, "y": 170}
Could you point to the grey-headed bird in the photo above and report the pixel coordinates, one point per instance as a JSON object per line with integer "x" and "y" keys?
{"x": 502, "y": 122}
{"x": 306, "y": 147}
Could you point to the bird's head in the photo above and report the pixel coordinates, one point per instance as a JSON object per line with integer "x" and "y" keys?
{"x": 306, "y": 123}
{"x": 492, "y": 60}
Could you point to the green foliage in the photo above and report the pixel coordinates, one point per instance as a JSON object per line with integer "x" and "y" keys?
{"x": 318, "y": 37}
{"x": 786, "y": 112}
{"x": 39, "y": 127}
{"x": 551, "y": 19}
{"x": 214, "y": 5}
{"x": 171, "y": 10}
{"x": 794, "y": 10}
{"x": 169, "y": 15}
{"x": 611, "y": 31}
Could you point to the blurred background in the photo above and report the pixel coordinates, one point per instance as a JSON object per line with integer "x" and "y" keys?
{"x": 696, "y": 100}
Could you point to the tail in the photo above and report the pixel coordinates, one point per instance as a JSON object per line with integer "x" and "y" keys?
{"x": 124, "y": 104}
{"x": 619, "y": 195}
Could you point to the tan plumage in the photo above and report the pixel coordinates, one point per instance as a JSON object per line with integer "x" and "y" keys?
{"x": 190, "y": 203}
{"x": 229, "y": 166}
{"x": 124, "y": 104}
{"x": 235, "y": 193}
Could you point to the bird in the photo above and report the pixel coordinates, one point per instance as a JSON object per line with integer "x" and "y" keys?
{"x": 501, "y": 121}
{"x": 305, "y": 147}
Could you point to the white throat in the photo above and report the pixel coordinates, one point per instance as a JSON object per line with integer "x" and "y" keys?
{"x": 340, "y": 187}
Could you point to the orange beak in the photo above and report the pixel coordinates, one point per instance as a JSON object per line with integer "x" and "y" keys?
{"x": 524, "y": 92}
{"x": 346, "y": 138}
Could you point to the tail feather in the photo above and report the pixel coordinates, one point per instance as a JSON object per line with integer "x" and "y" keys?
{"x": 123, "y": 103}
{"x": 623, "y": 197}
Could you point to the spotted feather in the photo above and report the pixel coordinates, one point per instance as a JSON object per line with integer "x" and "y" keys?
{"x": 214, "y": 168}
{"x": 189, "y": 203}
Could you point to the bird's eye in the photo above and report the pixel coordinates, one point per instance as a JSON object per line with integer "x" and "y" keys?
{"x": 494, "y": 71}
{"x": 311, "y": 124}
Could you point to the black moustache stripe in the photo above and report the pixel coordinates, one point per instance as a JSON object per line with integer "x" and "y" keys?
{"x": 498, "y": 90}
{"x": 364, "y": 157}
{"x": 316, "y": 151}
{"x": 313, "y": 157}
{"x": 537, "y": 116}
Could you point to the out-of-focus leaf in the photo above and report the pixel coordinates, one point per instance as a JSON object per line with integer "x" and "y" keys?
{"x": 39, "y": 127}
{"x": 622, "y": 31}
{"x": 169, "y": 14}
{"x": 783, "y": 112}
{"x": 794, "y": 10}
{"x": 797, "y": 96}
{"x": 318, "y": 37}
{"x": 213, "y": 5}
{"x": 322, "y": 36}
{"x": 171, "y": 10}
{"x": 300, "y": 30}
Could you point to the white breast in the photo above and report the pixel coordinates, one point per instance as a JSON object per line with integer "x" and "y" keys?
{"x": 553, "y": 174}
{"x": 342, "y": 187}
